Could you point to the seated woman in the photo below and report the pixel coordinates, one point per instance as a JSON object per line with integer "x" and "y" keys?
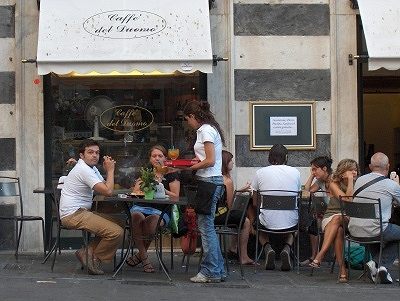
{"x": 342, "y": 184}
{"x": 145, "y": 218}
{"x": 234, "y": 218}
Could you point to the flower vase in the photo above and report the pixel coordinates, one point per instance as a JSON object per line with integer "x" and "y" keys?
{"x": 149, "y": 195}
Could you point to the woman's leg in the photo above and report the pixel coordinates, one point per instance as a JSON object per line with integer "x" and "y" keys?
{"x": 244, "y": 239}
{"x": 137, "y": 232}
{"x": 330, "y": 233}
{"x": 339, "y": 252}
{"x": 314, "y": 241}
{"x": 149, "y": 228}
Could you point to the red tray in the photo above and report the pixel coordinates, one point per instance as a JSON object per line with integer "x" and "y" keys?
{"x": 180, "y": 162}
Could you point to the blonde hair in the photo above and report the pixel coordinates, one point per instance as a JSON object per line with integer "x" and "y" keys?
{"x": 343, "y": 166}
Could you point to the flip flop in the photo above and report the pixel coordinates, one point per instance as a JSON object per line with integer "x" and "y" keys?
{"x": 134, "y": 260}
{"x": 315, "y": 264}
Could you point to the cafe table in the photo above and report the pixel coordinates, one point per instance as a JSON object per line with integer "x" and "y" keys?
{"x": 50, "y": 192}
{"x": 129, "y": 200}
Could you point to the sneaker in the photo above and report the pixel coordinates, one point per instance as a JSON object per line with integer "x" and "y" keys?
{"x": 269, "y": 258}
{"x": 285, "y": 258}
{"x": 200, "y": 278}
{"x": 384, "y": 276}
{"x": 396, "y": 262}
{"x": 371, "y": 266}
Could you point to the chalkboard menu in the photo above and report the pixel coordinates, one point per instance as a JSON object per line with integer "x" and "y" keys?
{"x": 289, "y": 123}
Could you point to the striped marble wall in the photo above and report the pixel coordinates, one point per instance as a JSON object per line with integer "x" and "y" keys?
{"x": 7, "y": 115}
{"x": 282, "y": 52}
{"x": 7, "y": 87}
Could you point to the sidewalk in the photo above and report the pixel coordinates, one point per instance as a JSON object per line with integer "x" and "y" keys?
{"x": 30, "y": 280}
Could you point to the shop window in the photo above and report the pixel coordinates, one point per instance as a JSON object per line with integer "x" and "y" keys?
{"x": 126, "y": 114}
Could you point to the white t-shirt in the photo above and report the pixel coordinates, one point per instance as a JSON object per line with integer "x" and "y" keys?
{"x": 77, "y": 191}
{"x": 277, "y": 177}
{"x": 207, "y": 133}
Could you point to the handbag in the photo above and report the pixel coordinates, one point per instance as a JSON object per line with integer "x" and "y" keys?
{"x": 204, "y": 196}
{"x": 189, "y": 240}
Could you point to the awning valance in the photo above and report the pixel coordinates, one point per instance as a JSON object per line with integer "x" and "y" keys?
{"x": 380, "y": 20}
{"x": 124, "y": 35}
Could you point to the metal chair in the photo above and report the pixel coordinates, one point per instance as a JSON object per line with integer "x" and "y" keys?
{"x": 364, "y": 208}
{"x": 318, "y": 208}
{"x": 56, "y": 246}
{"x": 287, "y": 200}
{"x": 11, "y": 187}
{"x": 239, "y": 205}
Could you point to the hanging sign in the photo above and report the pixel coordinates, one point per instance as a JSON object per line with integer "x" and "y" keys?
{"x": 126, "y": 118}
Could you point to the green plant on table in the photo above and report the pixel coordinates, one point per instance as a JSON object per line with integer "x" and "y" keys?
{"x": 147, "y": 176}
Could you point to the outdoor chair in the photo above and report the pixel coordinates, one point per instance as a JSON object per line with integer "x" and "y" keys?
{"x": 56, "y": 246}
{"x": 240, "y": 203}
{"x": 369, "y": 209}
{"x": 317, "y": 209}
{"x": 286, "y": 200}
{"x": 11, "y": 187}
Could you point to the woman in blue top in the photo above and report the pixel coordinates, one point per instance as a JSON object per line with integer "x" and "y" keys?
{"x": 208, "y": 149}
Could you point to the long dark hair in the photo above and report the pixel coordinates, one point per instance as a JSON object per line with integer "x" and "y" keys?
{"x": 202, "y": 113}
{"x": 226, "y": 158}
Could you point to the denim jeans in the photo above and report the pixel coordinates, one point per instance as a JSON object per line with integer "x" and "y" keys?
{"x": 212, "y": 264}
{"x": 389, "y": 253}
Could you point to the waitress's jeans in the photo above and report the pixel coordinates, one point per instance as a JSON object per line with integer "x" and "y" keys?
{"x": 212, "y": 264}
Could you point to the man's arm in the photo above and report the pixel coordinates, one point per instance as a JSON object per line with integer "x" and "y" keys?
{"x": 106, "y": 188}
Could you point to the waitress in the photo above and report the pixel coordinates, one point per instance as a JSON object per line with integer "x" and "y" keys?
{"x": 208, "y": 149}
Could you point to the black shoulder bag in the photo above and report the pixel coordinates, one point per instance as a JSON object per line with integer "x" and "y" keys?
{"x": 376, "y": 180}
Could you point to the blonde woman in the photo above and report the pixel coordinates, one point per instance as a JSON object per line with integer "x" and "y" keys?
{"x": 342, "y": 184}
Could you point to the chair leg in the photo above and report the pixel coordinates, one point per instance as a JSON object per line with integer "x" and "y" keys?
{"x": 240, "y": 254}
{"x": 18, "y": 237}
{"x": 172, "y": 251}
{"x": 44, "y": 239}
{"x": 56, "y": 247}
{"x": 225, "y": 253}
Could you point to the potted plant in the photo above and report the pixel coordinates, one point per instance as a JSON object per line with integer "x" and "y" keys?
{"x": 148, "y": 185}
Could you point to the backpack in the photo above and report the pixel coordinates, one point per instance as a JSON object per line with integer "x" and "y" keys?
{"x": 358, "y": 256}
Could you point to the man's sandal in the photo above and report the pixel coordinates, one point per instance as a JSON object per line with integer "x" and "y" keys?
{"x": 315, "y": 264}
{"x": 134, "y": 260}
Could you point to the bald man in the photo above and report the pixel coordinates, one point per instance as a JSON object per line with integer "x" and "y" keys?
{"x": 388, "y": 191}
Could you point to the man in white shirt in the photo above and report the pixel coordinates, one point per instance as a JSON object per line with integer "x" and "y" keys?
{"x": 277, "y": 176}
{"x": 76, "y": 202}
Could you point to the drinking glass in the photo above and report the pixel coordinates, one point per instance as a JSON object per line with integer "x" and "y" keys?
{"x": 173, "y": 153}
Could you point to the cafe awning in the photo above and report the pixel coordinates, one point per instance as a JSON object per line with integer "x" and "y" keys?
{"x": 103, "y": 36}
{"x": 380, "y": 20}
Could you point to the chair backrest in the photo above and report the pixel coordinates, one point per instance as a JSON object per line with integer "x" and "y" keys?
{"x": 278, "y": 199}
{"x": 361, "y": 207}
{"x": 10, "y": 187}
{"x": 240, "y": 202}
{"x": 318, "y": 205}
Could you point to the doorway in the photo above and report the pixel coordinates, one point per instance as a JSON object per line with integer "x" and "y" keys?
{"x": 379, "y": 111}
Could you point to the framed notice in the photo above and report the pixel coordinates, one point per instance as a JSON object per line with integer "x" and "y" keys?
{"x": 289, "y": 123}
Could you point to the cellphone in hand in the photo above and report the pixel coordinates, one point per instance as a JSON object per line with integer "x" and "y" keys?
{"x": 393, "y": 175}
